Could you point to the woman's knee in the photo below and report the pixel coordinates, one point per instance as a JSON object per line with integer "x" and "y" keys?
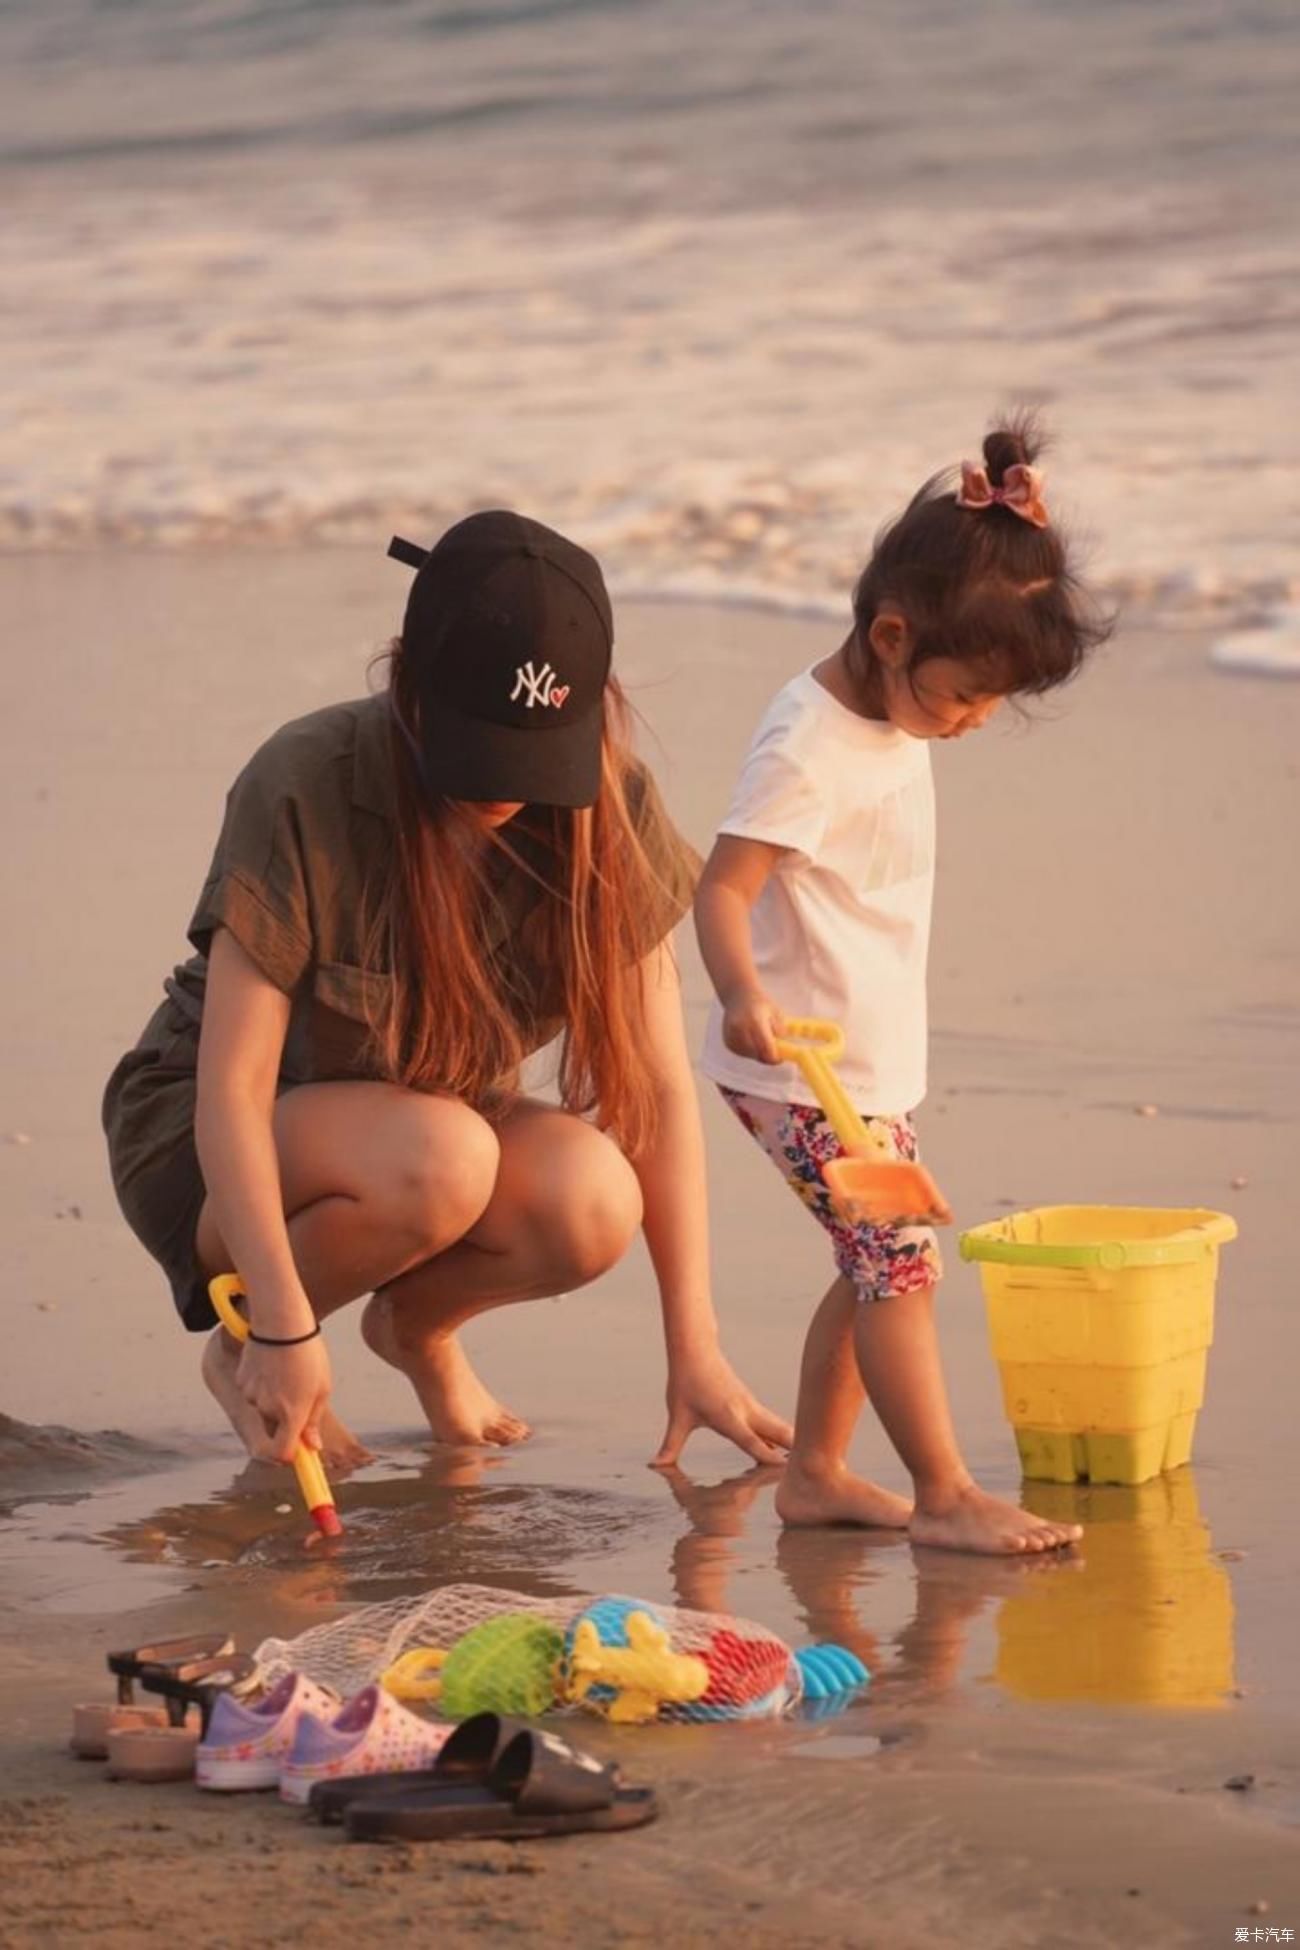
{"x": 589, "y": 1220}
{"x": 442, "y": 1173}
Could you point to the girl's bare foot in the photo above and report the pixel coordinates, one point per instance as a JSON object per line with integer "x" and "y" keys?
{"x": 458, "y": 1407}
{"x": 835, "y": 1495}
{"x": 968, "y": 1519}
{"x": 340, "y": 1449}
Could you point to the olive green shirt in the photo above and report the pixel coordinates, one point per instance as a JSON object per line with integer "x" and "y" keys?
{"x": 305, "y": 844}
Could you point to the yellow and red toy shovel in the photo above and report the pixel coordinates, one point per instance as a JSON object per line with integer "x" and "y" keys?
{"x": 312, "y": 1480}
{"x": 870, "y": 1185}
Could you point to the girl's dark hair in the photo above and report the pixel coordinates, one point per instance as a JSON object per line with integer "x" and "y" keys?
{"x": 983, "y": 585}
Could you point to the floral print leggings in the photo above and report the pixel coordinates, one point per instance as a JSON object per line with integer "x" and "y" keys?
{"x": 879, "y": 1260}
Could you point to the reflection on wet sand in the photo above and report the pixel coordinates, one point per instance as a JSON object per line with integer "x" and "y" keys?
{"x": 926, "y": 1656}
{"x": 704, "y": 1555}
{"x": 1142, "y": 1615}
{"x": 444, "y": 1521}
{"x": 1149, "y": 1621}
{"x": 829, "y": 1574}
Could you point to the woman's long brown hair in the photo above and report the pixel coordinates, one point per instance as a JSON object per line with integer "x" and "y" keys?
{"x": 465, "y": 1011}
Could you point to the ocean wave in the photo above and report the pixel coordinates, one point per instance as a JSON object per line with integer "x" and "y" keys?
{"x": 692, "y": 283}
{"x": 733, "y": 554}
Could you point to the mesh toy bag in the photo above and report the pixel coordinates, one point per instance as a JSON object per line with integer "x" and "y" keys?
{"x": 624, "y": 1658}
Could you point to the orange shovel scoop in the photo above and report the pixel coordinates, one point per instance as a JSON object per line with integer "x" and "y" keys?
{"x": 870, "y": 1184}
{"x": 312, "y": 1480}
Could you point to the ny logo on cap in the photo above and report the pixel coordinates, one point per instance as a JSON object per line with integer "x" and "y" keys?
{"x": 538, "y": 687}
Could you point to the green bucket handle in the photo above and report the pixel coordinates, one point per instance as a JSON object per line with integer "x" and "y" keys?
{"x": 990, "y": 1243}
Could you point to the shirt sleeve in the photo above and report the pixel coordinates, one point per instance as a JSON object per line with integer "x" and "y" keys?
{"x": 674, "y": 863}
{"x": 777, "y": 800}
{"x": 257, "y": 885}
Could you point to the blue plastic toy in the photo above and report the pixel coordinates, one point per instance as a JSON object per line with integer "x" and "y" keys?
{"x": 609, "y": 1616}
{"x": 829, "y": 1670}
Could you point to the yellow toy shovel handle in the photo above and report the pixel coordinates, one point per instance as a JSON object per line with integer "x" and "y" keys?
{"x": 814, "y": 1045}
{"x": 827, "y": 1038}
{"x": 223, "y": 1291}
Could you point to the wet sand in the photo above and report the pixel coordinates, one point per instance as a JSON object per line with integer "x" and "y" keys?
{"x": 1110, "y": 934}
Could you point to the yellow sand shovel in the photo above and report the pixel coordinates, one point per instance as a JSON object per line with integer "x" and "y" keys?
{"x": 870, "y": 1184}
{"x": 307, "y": 1465}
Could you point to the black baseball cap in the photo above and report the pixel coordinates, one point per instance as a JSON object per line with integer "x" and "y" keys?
{"x": 509, "y": 631}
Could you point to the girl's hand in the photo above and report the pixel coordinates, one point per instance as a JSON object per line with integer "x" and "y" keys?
{"x": 289, "y": 1387}
{"x": 705, "y": 1392}
{"x": 750, "y": 1026}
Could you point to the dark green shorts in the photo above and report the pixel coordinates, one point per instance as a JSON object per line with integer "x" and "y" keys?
{"x": 148, "y": 1120}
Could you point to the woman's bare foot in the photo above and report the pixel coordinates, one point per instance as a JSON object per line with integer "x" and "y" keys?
{"x": 458, "y": 1407}
{"x": 805, "y": 1496}
{"x": 968, "y": 1519}
{"x": 340, "y": 1449}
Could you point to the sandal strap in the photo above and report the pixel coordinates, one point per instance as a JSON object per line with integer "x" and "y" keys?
{"x": 473, "y": 1750}
{"x": 132, "y": 1663}
{"x": 543, "y": 1774}
{"x": 198, "y": 1684}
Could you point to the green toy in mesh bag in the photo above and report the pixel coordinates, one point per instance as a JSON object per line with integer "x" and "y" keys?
{"x": 505, "y": 1665}
{"x": 509, "y": 1664}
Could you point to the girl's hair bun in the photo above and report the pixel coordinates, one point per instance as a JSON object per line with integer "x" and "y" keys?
{"x": 1016, "y": 441}
{"x": 994, "y": 590}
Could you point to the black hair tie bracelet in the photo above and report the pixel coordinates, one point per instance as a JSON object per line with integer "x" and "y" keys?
{"x": 294, "y": 1340}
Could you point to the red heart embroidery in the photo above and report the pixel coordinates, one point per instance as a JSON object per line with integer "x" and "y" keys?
{"x": 558, "y": 694}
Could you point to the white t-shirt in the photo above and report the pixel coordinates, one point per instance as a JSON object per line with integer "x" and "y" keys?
{"x": 842, "y": 927}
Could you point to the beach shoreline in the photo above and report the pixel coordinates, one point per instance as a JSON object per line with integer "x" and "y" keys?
{"x": 693, "y": 283}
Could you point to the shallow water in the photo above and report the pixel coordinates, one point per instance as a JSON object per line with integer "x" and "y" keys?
{"x": 716, "y": 287}
{"x": 1145, "y": 1615}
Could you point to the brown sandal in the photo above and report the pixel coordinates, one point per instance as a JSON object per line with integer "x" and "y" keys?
{"x": 94, "y": 1720}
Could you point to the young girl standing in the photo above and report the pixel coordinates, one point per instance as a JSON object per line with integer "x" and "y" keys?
{"x": 816, "y": 902}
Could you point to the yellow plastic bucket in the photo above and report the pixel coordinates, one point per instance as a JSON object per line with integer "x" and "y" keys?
{"x": 1101, "y": 1318}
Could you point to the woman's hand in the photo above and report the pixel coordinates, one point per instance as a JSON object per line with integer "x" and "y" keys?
{"x": 751, "y": 1024}
{"x": 705, "y": 1392}
{"x": 289, "y": 1387}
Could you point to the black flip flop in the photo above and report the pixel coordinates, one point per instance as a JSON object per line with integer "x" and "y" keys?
{"x": 198, "y": 1683}
{"x": 538, "y": 1786}
{"x": 167, "y": 1654}
{"x": 468, "y": 1758}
